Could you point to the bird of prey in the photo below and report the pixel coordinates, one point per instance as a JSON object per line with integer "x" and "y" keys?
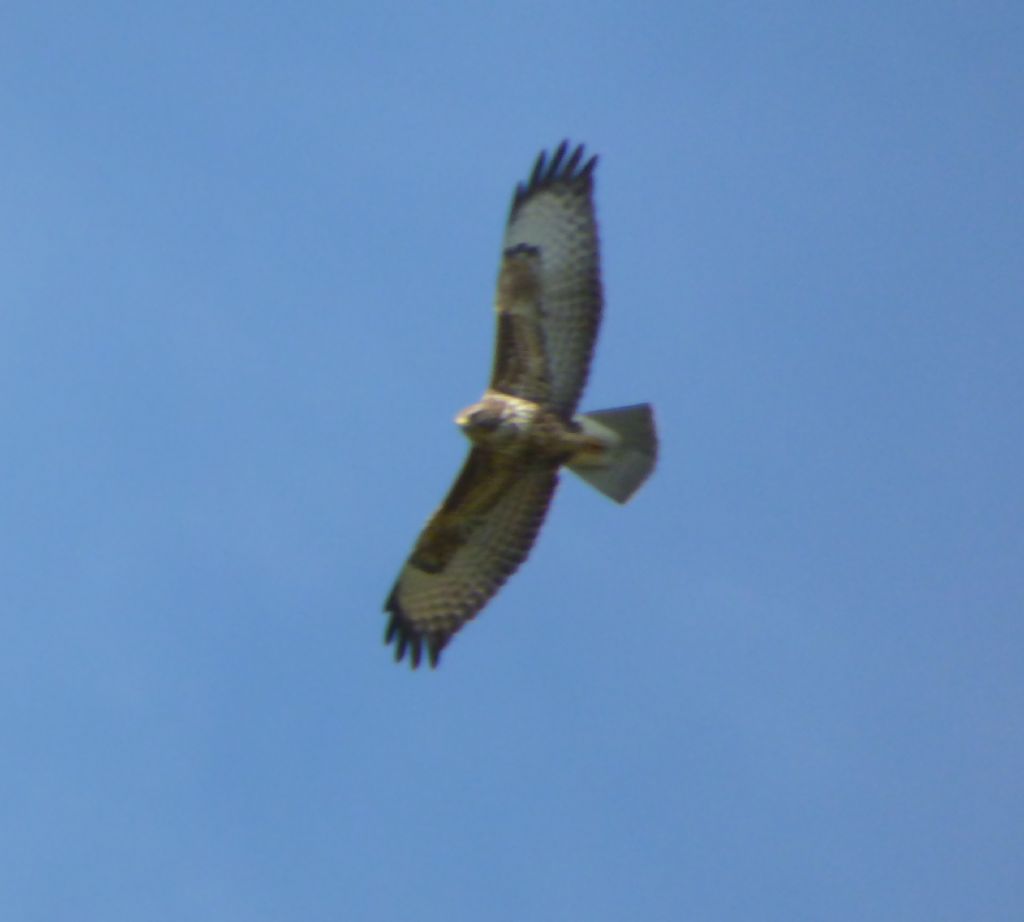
{"x": 525, "y": 427}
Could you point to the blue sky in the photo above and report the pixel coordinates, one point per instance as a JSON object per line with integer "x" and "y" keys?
{"x": 246, "y": 271}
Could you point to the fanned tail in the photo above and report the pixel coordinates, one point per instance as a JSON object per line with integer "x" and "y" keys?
{"x": 630, "y": 449}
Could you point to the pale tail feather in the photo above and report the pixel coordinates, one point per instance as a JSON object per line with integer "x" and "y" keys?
{"x": 628, "y": 458}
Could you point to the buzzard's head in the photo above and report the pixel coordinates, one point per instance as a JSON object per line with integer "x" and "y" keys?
{"x": 492, "y": 421}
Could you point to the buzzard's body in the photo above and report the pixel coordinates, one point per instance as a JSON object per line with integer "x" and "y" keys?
{"x": 525, "y": 427}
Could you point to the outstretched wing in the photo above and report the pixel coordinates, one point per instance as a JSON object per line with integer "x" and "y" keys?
{"x": 478, "y": 537}
{"x": 549, "y": 285}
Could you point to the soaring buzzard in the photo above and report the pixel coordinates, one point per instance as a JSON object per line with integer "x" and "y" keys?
{"x": 524, "y": 428}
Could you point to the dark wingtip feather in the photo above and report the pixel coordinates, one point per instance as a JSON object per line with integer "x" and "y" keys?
{"x": 574, "y": 160}
{"x": 548, "y": 171}
{"x": 556, "y": 160}
{"x": 407, "y": 639}
{"x": 538, "y": 169}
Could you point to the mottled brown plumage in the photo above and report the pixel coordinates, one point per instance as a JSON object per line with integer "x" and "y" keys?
{"x": 523, "y": 430}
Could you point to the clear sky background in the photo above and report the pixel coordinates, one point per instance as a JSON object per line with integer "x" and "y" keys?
{"x": 247, "y": 258}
